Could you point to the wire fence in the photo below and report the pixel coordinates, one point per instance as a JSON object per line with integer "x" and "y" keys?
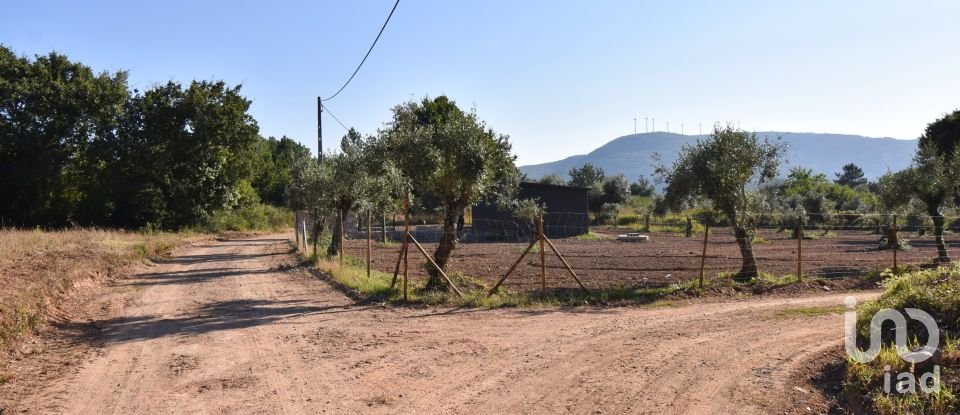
{"x": 834, "y": 246}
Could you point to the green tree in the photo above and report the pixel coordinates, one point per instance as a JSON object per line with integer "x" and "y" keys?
{"x": 616, "y": 190}
{"x": 851, "y": 176}
{"x": 932, "y": 180}
{"x": 184, "y": 153}
{"x": 720, "y": 169}
{"x": 592, "y": 178}
{"x": 349, "y": 181}
{"x": 453, "y": 155}
{"x": 943, "y": 134}
{"x": 552, "y": 179}
{"x": 57, "y": 121}
{"x": 642, "y": 187}
{"x": 273, "y": 161}
{"x": 588, "y": 176}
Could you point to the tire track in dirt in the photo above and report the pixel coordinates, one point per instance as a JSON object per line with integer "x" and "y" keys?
{"x": 221, "y": 328}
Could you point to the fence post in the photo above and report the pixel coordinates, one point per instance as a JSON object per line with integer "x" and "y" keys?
{"x": 296, "y": 227}
{"x": 406, "y": 243}
{"x": 303, "y": 225}
{"x": 316, "y": 231}
{"x": 369, "y": 238}
{"x": 800, "y": 248}
{"x": 896, "y": 243}
{"x": 340, "y": 217}
{"x": 703, "y": 257}
{"x": 543, "y": 259}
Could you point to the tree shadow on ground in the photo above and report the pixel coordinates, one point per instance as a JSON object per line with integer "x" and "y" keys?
{"x": 191, "y": 276}
{"x": 211, "y": 317}
{"x": 208, "y": 258}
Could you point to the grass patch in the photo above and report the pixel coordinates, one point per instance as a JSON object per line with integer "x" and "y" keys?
{"x": 590, "y": 236}
{"x": 256, "y": 217}
{"x": 353, "y": 275}
{"x": 937, "y": 292}
{"x": 811, "y": 311}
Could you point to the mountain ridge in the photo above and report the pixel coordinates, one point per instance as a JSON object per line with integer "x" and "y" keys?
{"x": 632, "y": 155}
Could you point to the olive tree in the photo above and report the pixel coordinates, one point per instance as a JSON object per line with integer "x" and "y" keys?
{"x": 453, "y": 155}
{"x": 932, "y": 180}
{"x": 721, "y": 169}
{"x": 935, "y": 170}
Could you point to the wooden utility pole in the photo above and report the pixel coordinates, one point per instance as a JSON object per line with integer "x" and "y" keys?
{"x": 319, "y": 131}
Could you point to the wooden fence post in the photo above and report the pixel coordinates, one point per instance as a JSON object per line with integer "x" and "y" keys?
{"x": 369, "y": 239}
{"x": 406, "y": 243}
{"x": 543, "y": 258}
{"x": 800, "y": 248}
{"x": 340, "y": 216}
{"x": 896, "y": 243}
{"x": 304, "y": 226}
{"x": 703, "y": 257}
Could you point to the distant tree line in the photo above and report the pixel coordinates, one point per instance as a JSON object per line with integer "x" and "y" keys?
{"x": 80, "y": 148}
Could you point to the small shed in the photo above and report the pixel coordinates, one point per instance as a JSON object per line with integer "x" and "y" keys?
{"x": 566, "y": 214}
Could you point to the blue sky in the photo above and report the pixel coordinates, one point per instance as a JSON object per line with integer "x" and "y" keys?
{"x": 559, "y": 77}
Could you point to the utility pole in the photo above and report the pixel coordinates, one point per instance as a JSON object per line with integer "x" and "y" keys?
{"x": 668, "y": 126}
{"x": 319, "y": 131}
{"x": 681, "y": 129}
{"x": 646, "y": 124}
{"x": 654, "y": 124}
{"x": 634, "y": 125}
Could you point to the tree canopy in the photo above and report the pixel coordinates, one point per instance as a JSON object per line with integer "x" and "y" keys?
{"x": 79, "y": 148}
{"x": 453, "y": 155}
{"x": 851, "y": 176}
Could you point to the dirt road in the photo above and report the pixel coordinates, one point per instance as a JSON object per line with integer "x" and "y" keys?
{"x": 222, "y": 328}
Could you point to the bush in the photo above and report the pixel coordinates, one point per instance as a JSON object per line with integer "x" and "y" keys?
{"x": 255, "y": 217}
{"x": 936, "y": 292}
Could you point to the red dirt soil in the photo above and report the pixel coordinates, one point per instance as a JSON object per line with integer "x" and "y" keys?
{"x": 231, "y": 327}
{"x": 666, "y": 259}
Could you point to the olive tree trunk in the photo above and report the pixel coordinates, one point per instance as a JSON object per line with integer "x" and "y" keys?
{"x": 334, "y": 248}
{"x": 748, "y": 270}
{"x": 448, "y": 242}
{"x": 938, "y": 225}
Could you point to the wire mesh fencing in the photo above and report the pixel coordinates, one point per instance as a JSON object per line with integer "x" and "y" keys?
{"x": 783, "y": 246}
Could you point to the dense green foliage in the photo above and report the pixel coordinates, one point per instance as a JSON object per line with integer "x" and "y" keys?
{"x": 453, "y": 156}
{"x": 851, "y": 176}
{"x": 605, "y": 195}
{"x": 79, "y": 148}
{"x": 642, "y": 187}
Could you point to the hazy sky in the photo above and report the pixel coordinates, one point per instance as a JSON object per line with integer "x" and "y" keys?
{"x": 559, "y": 77}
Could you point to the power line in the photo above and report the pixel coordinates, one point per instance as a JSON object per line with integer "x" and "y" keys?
{"x": 368, "y": 53}
{"x": 335, "y": 117}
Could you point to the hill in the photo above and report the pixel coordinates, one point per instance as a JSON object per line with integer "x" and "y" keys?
{"x": 632, "y": 155}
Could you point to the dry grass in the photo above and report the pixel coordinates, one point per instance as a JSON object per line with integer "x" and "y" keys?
{"x": 38, "y": 269}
